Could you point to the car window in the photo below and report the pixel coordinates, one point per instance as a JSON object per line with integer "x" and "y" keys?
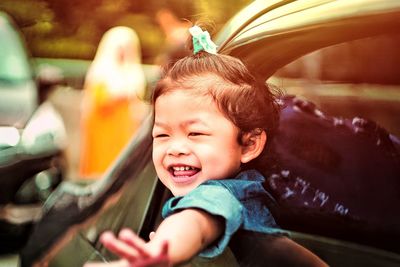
{"x": 14, "y": 63}
{"x": 359, "y": 78}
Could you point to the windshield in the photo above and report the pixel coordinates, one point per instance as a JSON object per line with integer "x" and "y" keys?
{"x": 14, "y": 64}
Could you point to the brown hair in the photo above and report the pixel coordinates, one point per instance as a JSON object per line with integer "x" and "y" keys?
{"x": 248, "y": 103}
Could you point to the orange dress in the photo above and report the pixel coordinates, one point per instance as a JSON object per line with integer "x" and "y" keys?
{"x": 109, "y": 110}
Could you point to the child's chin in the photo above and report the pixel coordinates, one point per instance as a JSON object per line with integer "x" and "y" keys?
{"x": 177, "y": 192}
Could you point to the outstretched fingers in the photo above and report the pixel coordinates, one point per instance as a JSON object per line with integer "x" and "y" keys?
{"x": 119, "y": 247}
{"x": 130, "y": 238}
{"x": 133, "y": 249}
{"x": 161, "y": 260}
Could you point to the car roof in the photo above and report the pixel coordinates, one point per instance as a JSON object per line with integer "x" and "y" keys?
{"x": 286, "y": 30}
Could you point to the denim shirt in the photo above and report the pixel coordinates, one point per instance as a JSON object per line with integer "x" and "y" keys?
{"x": 239, "y": 201}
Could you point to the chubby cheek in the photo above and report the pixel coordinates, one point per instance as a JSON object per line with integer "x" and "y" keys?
{"x": 221, "y": 165}
{"x": 221, "y": 169}
{"x": 162, "y": 175}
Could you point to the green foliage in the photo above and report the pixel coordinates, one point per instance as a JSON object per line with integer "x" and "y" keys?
{"x": 73, "y": 28}
{"x": 27, "y": 13}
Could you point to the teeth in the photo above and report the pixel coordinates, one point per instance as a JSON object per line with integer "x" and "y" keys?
{"x": 182, "y": 168}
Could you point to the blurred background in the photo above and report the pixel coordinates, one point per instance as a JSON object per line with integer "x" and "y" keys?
{"x": 73, "y": 28}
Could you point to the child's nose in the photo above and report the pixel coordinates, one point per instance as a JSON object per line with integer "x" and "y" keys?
{"x": 178, "y": 147}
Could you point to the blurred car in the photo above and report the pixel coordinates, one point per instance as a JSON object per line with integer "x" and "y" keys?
{"x": 32, "y": 138}
{"x": 333, "y": 178}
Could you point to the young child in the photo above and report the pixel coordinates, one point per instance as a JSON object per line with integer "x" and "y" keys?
{"x": 211, "y": 124}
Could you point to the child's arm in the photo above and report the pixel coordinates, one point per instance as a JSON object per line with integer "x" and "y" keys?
{"x": 178, "y": 238}
{"x": 187, "y": 233}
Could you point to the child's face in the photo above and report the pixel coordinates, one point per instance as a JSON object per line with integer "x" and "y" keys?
{"x": 193, "y": 142}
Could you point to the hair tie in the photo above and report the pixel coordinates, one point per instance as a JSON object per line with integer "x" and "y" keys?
{"x": 202, "y": 41}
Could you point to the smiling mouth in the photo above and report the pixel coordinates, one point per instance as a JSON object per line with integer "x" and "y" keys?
{"x": 183, "y": 173}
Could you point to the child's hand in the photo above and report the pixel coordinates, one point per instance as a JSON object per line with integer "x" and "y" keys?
{"x": 133, "y": 251}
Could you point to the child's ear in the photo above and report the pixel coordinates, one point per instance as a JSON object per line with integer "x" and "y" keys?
{"x": 253, "y": 144}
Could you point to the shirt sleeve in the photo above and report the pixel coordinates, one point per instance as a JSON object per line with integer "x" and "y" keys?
{"x": 215, "y": 200}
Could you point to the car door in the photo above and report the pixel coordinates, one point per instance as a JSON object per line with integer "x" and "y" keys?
{"x": 340, "y": 153}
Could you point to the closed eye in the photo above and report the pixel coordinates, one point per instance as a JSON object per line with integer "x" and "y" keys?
{"x": 196, "y": 134}
{"x": 160, "y": 135}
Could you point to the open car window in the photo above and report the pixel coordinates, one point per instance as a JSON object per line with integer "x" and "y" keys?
{"x": 359, "y": 78}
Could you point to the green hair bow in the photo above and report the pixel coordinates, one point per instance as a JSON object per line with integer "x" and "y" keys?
{"x": 202, "y": 41}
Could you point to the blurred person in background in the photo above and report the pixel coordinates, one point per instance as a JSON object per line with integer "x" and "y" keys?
{"x": 112, "y": 106}
{"x": 176, "y": 34}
